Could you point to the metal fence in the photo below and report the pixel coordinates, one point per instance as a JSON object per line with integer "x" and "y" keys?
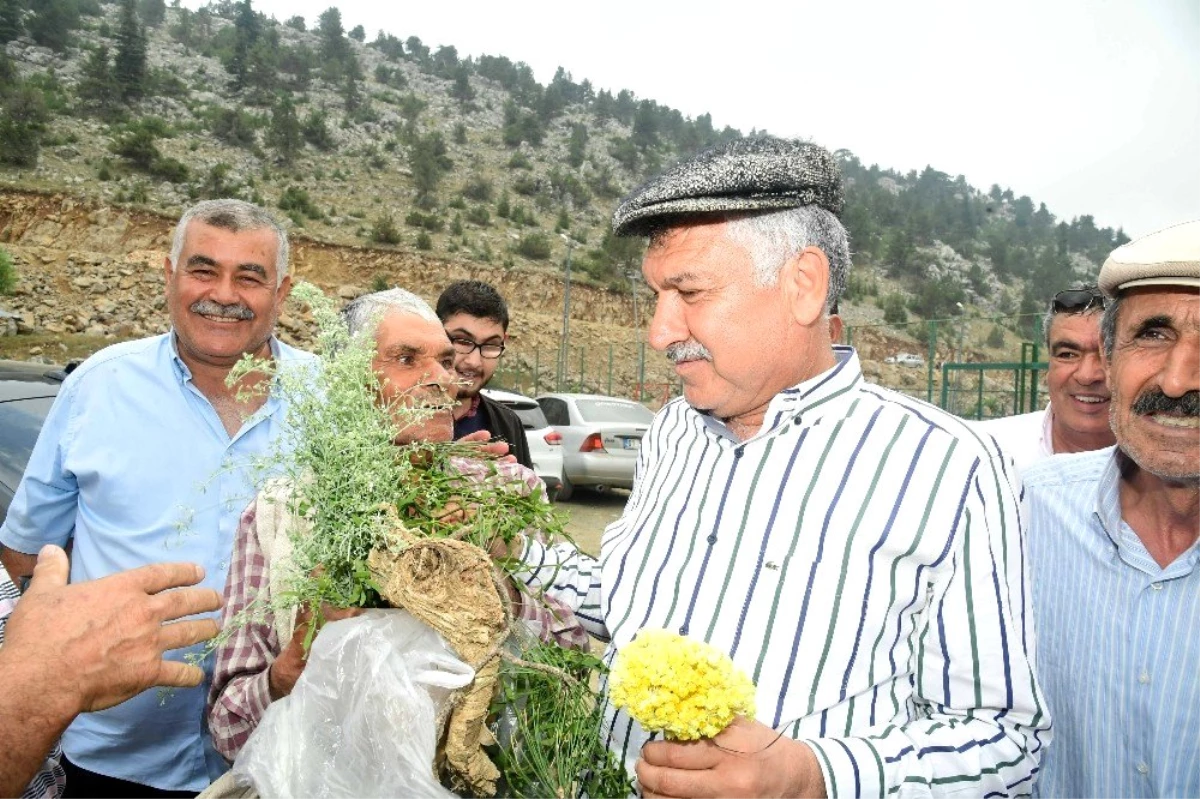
{"x": 976, "y": 367}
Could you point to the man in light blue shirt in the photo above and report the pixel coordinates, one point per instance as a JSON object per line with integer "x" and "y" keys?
{"x": 1113, "y": 546}
{"x": 148, "y": 456}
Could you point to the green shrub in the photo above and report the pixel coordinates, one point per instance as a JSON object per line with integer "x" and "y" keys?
{"x": 478, "y": 189}
{"x": 535, "y": 246}
{"x": 424, "y": 241}
{"x": 384, "y": 231}
{"x": 894, "y": 310}
{"x": 995, "y": 339}
{"x": 8, "y": 273}
{"x": 430, "y": 221}
{"x": 297, "y": 200}
{"x": 478, "y": 215}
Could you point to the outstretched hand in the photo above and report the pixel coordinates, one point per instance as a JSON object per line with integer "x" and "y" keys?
{"x": 496, "y": 449}
{"x": 102, "y": 641}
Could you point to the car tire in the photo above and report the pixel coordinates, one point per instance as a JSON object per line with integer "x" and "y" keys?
{"x": 565, "y": 490}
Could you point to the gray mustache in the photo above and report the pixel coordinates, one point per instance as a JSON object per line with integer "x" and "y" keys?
{"x": 688, "y": 351}
{"x": 1155, "y": 401}
{"x": 210, "y": 308}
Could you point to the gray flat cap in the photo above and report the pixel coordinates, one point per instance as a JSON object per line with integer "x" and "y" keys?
{"x": 758, "y": 174}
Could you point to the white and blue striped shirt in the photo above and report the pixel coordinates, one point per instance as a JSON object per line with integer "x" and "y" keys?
{"x": 861, "y": 558}
{"x": 1118, "y": 639}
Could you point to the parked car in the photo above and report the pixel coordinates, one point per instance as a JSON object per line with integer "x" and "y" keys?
{"x": 906, "y": 359}
{"x": 545, "y": 443}
{"x": 601, "y": 438}
{"x": 27, "y": 391}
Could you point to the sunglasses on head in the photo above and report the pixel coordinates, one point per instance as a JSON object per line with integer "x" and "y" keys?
{"x": 1078, "y": 300}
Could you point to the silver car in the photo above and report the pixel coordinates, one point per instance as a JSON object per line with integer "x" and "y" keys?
{"x": 545, "y": 443}
{"x": 601, "y": 438}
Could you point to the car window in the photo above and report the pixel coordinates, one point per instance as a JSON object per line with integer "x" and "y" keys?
{"x": 20, "y": 422}
{"x": 555, "y": 410}
{"x": 531, "y": 417}
{"x": 606, "y": 410}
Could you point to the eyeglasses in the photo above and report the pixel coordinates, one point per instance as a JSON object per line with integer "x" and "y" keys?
{"x": 1078, "y": 300}
{"x": 464, "y": 346}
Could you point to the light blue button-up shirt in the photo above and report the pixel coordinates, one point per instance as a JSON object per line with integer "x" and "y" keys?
{"x": 134, "y": 465}
{"x": 1118, "y": 640}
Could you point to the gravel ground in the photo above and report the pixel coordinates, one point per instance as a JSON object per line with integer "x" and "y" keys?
{"x": 590, "y": 512}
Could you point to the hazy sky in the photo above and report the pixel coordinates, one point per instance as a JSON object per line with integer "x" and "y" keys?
{"x": 1090, "y": 106}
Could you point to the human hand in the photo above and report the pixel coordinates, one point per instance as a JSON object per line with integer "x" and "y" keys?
{"x": 286, "y": 669}
{"x": 747, "y": 759}
{"x": 496, "y": 449}
{"x": 101, "y": 642}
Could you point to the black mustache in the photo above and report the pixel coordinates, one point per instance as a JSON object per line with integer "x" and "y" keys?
{"x": 1155, "y": 401}
{"x": 210, "y": 308}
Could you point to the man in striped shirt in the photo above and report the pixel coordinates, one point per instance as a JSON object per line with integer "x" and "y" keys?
{"x": 857, "y": 552}
{"x": 1114, "y": 552}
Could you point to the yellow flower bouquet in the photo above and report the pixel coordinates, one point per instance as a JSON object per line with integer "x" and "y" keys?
{"x": 684, "y": 688}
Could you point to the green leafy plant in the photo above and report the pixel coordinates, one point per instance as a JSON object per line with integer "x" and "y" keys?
{"x": 352, "y": 483}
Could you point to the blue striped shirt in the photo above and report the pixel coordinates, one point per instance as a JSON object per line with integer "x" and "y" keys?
{"x": 860, "y": 557}
{"x": 1118, "y": 639}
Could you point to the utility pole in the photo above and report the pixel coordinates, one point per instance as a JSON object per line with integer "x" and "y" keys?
{"x": 637, "y": 333}
{"x": 564, "y": 344}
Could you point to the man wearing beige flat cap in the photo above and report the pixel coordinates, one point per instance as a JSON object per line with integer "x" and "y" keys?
{"x": 1113, "y": 546}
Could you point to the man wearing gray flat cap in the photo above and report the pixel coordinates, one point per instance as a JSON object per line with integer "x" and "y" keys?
{"x": 858, "y": 553}
{"x": 1114, "y": 545}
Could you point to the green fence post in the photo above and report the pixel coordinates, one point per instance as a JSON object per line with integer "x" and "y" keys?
{"x": 849, "y": 336}
{"x": 929, "y": 366}
{"x": 979, "y": 401}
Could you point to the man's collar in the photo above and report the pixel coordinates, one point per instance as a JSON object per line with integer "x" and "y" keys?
{"x": 473, "y": 408}
{"x": 806, "y": 400}
{"x": 185, "y": 374}
{"x": 1126, "y": 541}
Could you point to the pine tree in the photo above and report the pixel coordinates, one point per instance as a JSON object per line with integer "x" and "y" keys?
{"x": 23, "y": 119}
{"x": 97, "y": 86}
{"x": 52, "y": 22}
{"x": 10, "y": 20}
{"x": 246, "y": 32}
{"x": 284, "y": 134}
{"x": 129, "y": 69}
{"x": 154, "y": 12}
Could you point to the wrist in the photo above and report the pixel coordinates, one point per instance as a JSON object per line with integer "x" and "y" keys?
{"x": 32, "y": 693}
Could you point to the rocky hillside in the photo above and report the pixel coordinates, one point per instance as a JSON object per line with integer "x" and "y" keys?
{"x": 396, "y": 163}
{"x": 91, "y": 274}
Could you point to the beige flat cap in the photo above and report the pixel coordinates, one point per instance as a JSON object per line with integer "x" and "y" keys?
{"x": 1170, "y": 257}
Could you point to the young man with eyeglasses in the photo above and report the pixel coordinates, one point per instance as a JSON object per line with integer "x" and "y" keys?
{"x": 476, "y": 320}
{"x": 1076, "y": 420}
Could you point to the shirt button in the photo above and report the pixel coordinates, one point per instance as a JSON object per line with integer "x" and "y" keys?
{"x": 1142, "y": 768}
{"x": 1144, "y": 678}
{"x": 1156, "y": 586}
{"x": 683, "y": 630}
{"x": 712, "y": 539}
{"x": 737, "y": 453}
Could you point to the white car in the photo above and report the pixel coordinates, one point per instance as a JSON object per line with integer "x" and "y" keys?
{"x": 906, "y": 359}
{"x": 601, "y": 438}
{"x": 545, "y": 443}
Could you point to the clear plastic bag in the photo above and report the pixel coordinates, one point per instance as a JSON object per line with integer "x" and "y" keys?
{"x": 361, "y": 721}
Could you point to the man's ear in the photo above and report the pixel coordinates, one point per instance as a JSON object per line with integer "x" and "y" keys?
{"x": 804, "y": 280}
